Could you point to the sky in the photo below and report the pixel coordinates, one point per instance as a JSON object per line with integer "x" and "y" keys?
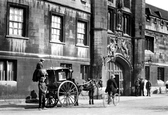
{"x": 163, "y": 4}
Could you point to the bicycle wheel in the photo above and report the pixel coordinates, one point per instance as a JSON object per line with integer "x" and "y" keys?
{"x": 106, "y": 100}
{"x": 116, "y": 99}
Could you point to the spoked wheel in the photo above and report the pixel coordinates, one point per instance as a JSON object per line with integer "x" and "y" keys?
{"x": 106, "y": 100}
{"x": 67, "y": 93}
{"x": 116, "y": 99}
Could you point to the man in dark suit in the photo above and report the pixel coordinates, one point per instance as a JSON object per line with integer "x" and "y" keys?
{"x": 111, "y": 86}
{"x": 148, "y": 88}
{"x": 137, "y": 87}
{"x": 141, "y": 87}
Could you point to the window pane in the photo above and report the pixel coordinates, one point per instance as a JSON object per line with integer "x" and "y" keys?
{"x": 20, "y": 32}
{"x": 84, "y": 71}
{"x": 81, "y": 35}
{"x": 149, "y": 43}
{"x": 10, "y": 71}
{"x": 15, "y": 21}
{"x": 56, "y": 29}
{"x": 10, "y": 31}
{"x": 10, "y": 24}
{"x": 15, "y": 32}
{"x": 2, "y": 71}
{"x": 126, "y": 25}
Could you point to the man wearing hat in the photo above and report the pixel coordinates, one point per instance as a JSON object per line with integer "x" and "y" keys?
{"x": 39, "y": 67}
{"x": 40, "y": 64}
{"x": 111, "y": 87}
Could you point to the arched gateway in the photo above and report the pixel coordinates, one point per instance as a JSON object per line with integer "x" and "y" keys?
{"x": 122, "y": 69}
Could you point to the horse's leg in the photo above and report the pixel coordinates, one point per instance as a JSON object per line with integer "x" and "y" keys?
{"x": 89, "y": 94}
{"x": 92, "y": 95}
{"x": 76, "y": 101}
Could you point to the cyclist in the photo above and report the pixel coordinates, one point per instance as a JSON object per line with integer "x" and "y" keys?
{"x": 111, "y": 87}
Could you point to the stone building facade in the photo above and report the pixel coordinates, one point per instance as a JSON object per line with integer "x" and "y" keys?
{"x": 96, "y": 38}
{"x": 156, "y": 57}
{"x": 58, "y": 31}
{"x": 118, "y": 31}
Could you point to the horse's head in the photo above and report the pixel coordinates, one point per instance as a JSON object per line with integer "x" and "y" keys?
{"x": 43, "y": 72}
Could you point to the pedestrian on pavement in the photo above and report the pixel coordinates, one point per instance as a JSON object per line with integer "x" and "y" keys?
{"x": 42, "y": 92}
{"x": 137, "y": 87}
{"x": 142, "y": 87}
{"x": 38, "y": 70}
{"x": 148, "y": 87}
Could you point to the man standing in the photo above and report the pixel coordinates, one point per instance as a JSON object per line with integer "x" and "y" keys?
{"x": 148, "y": 87}
{"x": 42, "y": 92}
{"x": 141, "y": 87}
{"x": 137, "y": 87}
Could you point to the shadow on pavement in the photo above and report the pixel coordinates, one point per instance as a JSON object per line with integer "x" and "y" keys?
{"x": 15, "y": 106}
{"x": 157, "y": 108}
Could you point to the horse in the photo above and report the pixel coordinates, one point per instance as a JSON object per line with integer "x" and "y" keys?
{"x": 89, "y": 86}
{"x": 38, "y": 73}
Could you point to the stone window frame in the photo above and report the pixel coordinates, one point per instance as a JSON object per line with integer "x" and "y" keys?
{"x": 112, "y": 19}
{"x": 126, "y": 23}
{"x": 84, "y": 71}
{"x": 6, "y": 74}
{"x": 149, "y": 43}
{"x": 147, "y": 72}
{"x": 61, "y": 38}
{"x": 160, "y": 75}
{"x": 85, "y": 40}
{"x": 25, "y": 9}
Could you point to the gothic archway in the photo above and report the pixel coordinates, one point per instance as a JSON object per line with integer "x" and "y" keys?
{"x": 122, "y": 68}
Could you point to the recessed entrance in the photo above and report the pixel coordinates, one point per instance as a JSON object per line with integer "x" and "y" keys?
{"x": 121, "y": 68}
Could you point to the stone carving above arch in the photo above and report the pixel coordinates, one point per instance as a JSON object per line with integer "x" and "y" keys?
{"x": 123, "y": 48}
{"x": 118, "y": 45}
{"x": 111, "y": 47}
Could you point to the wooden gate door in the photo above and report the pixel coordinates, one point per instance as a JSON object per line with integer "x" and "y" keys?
{"x": 118, "y": 72}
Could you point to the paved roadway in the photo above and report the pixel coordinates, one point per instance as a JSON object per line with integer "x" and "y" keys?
{"x": 155, "y": 105}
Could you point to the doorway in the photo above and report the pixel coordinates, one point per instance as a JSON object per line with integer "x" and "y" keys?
{"x": 117, "y": 69}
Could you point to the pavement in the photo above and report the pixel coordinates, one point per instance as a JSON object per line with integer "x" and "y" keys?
{"x": 20, "y": 104}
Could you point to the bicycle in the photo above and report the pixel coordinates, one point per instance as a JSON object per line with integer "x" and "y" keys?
{"x": 115, "y": 99}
